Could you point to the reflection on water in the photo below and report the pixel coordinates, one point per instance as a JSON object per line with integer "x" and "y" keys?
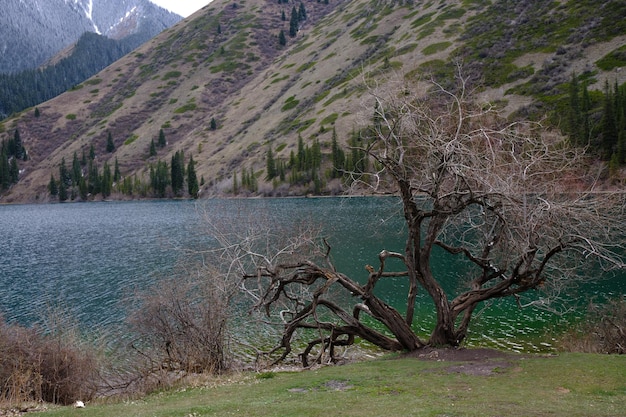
{"x": 85, "y": 258}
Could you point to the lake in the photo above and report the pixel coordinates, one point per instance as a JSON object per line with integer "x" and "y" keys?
{"x": 85, "y": 258}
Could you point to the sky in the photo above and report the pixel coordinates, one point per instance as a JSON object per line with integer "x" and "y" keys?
{"x": 182, "y": 7}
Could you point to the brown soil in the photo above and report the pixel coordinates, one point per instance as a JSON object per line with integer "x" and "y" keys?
{"x": 478, "y": 361}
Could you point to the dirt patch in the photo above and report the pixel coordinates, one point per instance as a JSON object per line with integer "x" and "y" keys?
{"x": 469, "y": 361}
{"x": 461, "y": 354}
{"x": 332, "y": 385}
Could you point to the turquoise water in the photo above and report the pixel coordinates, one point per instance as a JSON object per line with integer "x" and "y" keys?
{"x": 85, "y": 258}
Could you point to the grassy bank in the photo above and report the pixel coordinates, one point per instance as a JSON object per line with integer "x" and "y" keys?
{"x": 564, "y": 385}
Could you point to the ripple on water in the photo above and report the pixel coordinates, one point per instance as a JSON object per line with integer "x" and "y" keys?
{"x": 86, "y": 258}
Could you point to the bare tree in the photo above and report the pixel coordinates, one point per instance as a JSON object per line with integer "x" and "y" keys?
{"x": 512, "y": 199}
{"x": 181, "y": 324}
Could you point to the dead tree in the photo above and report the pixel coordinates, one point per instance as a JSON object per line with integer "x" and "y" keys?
{"x": 513, "y": 199}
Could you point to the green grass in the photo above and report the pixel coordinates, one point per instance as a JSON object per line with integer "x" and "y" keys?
{"x": 131, "y": 139}
{"x": 290, "y": 103}
{"x": 171, "y": 74}
{"x": 567, "y": 385}
{"x": 93, "y": 81}
{"x": 305, "y": 66}
{"x": 436, "y": 47}
{"x": 190, "y": 106}
{"x": 330, "y": 119}
{"x": 614, "y": 59}
{"x": 406, "y": 49}
{"x": 422, "y": 20}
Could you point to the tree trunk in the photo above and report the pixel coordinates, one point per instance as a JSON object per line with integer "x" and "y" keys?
{"x": 444, "y": 332}
{"x": 395, "y": 323}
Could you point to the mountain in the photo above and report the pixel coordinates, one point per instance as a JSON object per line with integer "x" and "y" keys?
{"x": 230, "y": 83}
{"x": 90, "y": 54}
{"x": 33, "y": 31}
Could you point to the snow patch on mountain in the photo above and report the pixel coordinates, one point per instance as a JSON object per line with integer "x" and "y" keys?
{"x": 89, "y": 13}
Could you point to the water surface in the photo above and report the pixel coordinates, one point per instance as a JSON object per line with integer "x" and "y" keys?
{"x": 85, "y": 258}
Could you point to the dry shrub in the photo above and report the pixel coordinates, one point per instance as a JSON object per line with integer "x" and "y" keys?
{"x": 35, "y": 366}
{"x": 180, "y": 327}
{"x": 603, "y": 331}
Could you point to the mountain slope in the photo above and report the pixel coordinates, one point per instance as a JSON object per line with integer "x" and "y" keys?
{"x": 223, "y": 89}
{"x": 35, "y": 30}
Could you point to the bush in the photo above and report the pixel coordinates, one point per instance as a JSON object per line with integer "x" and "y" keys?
{"x": 187, "y": 107}
{"x": 180, "y": 326}
{"x": 614, "y": 59}
{"x": 290, "y": 103}
{"x": 603, "y": 330}
{"x": 44, "y": 367}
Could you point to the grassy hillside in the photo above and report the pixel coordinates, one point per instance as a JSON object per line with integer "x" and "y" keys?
{"x": 223, "y": 89}
{"x": 505, "y": 385}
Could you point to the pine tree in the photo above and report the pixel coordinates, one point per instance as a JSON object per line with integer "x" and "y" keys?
{"x": 293, "y": 23}
{"x": 77, "y": 172}
{"x": 92, "y": 152}
{"x": 107, "y": 180}
{"x": 293, "y": 161}
{"x": 9, "y": 170}
{"x": 585, "y": 109}
{"x": 14, "y": 171}
{"x": 377, "y": 118}
{"x": 245, "y": 181}
{"x": 235, "y": 183}
{"x": 620, "y": 152}
{"x": 316, "y": 154}
{"x": 162, "y": 141}
{"x": 338, "y": 157}
{"x": 65, "y": 180}
{"x": 138, "y": 187}
{"x": 574, "y": 113}
{"x": 301, "y": 13}
{"x": 282, "y": 40}
{"x": 4, "y": 168}
{"x": 52, "y": 186}
{"x": 83, "y": 190}
{"x": 252, "y": 182}
{"x": 116, "y": 171}
{"x": 18, "y": 150}
{"x": 192, "y": 179}
{"x": 62, "y": 191}
{"x": 110, "y": 145}
{"x": 64, "y": 175}
{"x": 213, "y": 124}
{"x": 153, "y": 150}
{"x": 317, "y": 183}
{"x": 608, "y": 124}
{"x": 159, "y": 178}
{"x": 94, "y": 184}
{"x": 358, "y": 158}
{"x": 271, "y": 165}
{"x": 301, "y": 156}
{"x": 178, "y": 172}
